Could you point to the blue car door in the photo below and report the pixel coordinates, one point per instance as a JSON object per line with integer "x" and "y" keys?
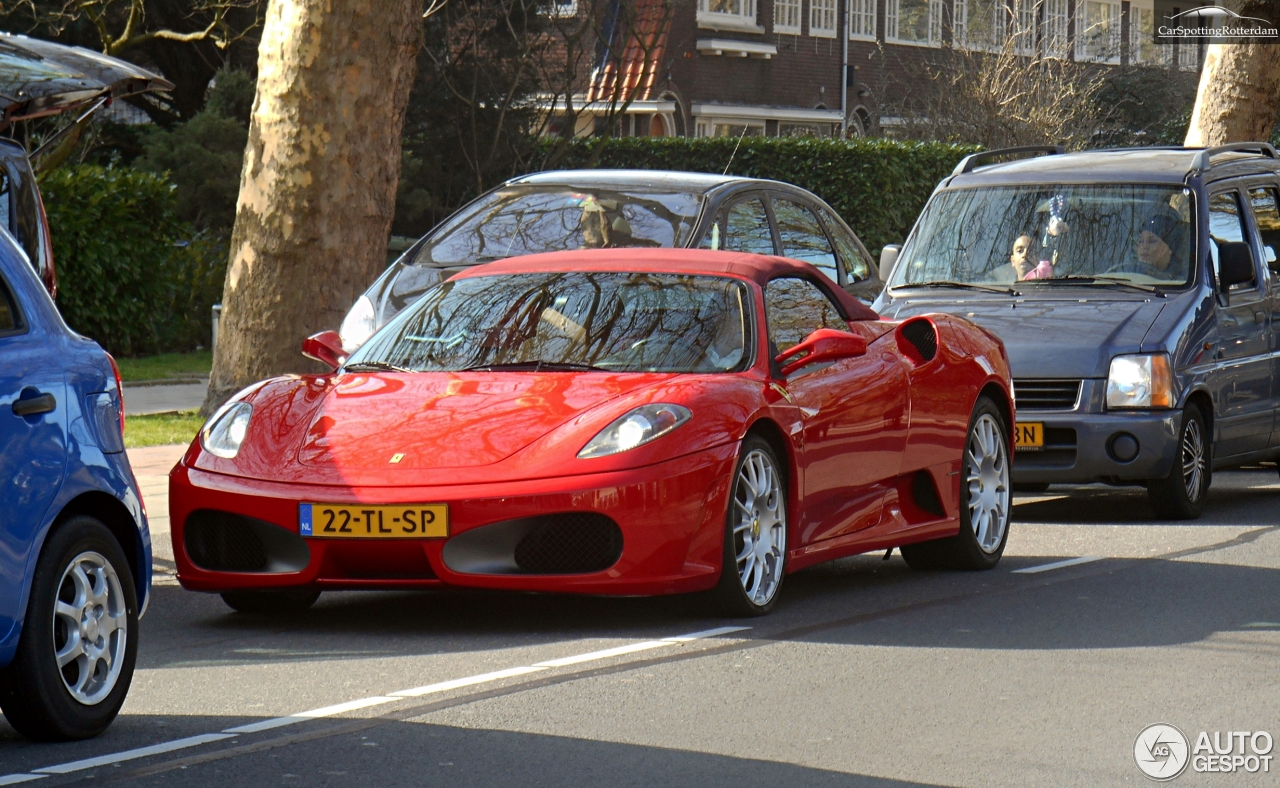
{"x": 32, "y": 432}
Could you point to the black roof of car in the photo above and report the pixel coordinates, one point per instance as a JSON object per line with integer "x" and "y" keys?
{"x": 1127, "y": 165}
{"x": 672, "y": 180}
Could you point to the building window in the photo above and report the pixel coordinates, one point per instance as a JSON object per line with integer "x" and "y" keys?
{"x": 979, "y": 24}
{"x": 805, "y": 130}
{"x": 913, "y": 21}
{"x": 730, "y": 127}
{"x": 1056, "y": 17}
{"x": 786, "y": 16}
{"x": 1142, "y": 31}
{"x": 742, "y": 10}
{"x": 862, "y": 19}
{"x": 1024, "y": 34}
{"x": 822, "y": 18}
{"x": 564, "y": 8}
{"x": 1098, "y": 31}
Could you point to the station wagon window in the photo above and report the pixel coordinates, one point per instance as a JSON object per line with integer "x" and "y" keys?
{"x": 743, "y": 228}
{"x": 802, "y": 237}
{"x": 794, "y": 309}
{"x": 9, "y": 321}
{"x": 1266, "y": 212}
{"x": 1226, "y": 225}
{"x": 853, "y": 258}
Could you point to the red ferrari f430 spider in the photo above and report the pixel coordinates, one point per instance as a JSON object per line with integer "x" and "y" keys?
{"x": 607, "y": 422}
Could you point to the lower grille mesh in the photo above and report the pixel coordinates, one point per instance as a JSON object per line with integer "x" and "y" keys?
{"x": 1046, "y": 394}
{"x": 223, "y": 542}
{"x": 569, "y": 543}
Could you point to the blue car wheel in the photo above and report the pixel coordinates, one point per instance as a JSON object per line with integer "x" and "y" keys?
{"x": 75, "y": 659}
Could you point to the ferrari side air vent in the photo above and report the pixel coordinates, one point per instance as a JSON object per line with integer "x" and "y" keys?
{"x": 920, "y": 339}
{"x": 925, "y": 495}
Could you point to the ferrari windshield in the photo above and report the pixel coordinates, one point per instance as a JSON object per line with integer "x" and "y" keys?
{"x": 568, "y": 321}
{"x": 1123, "y": 235}
{"x": 527, "y": 219}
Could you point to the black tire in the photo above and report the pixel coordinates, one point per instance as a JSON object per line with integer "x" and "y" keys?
{"x": 270, "y": 603}
{"x": 1030, "y": 487}
{"x": 1181, "y": 494}
{"x": 963, "y": 550}
{"x": 33, "y": 694}
{"x": 729, "y": 597}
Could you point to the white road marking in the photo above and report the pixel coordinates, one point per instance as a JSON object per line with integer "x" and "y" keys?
{"x": 464, "y": 682}
{"x": 314, "y": 714}
{"x": 1084, "y": 559}
{"x": 129, "y": 755}
{"x": 329, "y": 711}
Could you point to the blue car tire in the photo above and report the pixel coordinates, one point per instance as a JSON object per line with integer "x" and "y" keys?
{"x": 83, "y": 613}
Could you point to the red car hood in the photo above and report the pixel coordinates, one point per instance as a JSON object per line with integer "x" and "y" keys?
{"x": 447, "y": 420}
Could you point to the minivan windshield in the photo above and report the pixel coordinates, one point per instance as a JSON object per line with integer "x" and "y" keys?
{"x": 568, "y": 321}
{"x": 528, "y": 219}
{"x": 1038, "y": 236}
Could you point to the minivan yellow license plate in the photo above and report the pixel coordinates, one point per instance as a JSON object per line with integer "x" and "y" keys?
{"x": 1028, "y": 435}
{"x": 401, "y": 521}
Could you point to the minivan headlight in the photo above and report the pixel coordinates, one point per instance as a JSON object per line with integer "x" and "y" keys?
{"x": 225, "y": 430}
{"x": 1140, "y": 381}
{"x": 636, "y": 428}
{"x": 358, "y": 325}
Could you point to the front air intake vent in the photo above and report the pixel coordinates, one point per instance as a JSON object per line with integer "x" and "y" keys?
{"x": 566, "y": 543}
{"x": 921, "y": 337}
{"x": 225, "y": 542}
{"x": 1046, "y": 394}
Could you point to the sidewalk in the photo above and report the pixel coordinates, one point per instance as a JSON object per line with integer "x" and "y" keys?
{"x": 151, "y": 466}
{"x": 144, "y": 399}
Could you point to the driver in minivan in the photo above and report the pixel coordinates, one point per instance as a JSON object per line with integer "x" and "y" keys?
{"x": 1154, "y": 249}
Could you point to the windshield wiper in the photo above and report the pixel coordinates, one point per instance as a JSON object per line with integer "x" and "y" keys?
{"x": 375, "y": 366}
{"x": 957, "y": 285}
{"x": 537, "y": 366}
{"x": 1103, "y": 280}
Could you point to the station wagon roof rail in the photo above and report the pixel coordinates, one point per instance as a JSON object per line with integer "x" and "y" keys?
{"x": 1203, "y": 159}
{"x": 968, "y": 163}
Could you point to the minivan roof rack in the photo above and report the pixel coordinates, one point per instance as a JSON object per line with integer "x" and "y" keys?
{"x": 1203, "y": 158}
{"x": 970, "y": 162}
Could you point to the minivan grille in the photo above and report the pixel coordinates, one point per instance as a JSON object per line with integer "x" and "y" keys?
{"x": 1046, "y": 394}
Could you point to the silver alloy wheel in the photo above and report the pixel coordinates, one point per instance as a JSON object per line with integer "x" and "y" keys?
{"x": 987, "y": 476}
{"x": 1192, "y": 459}
{"x": 759, "y": 527}
{"x": 90, "y": 627}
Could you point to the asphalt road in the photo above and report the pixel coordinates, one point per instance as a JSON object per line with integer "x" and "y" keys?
{"x": 867, "y": 673}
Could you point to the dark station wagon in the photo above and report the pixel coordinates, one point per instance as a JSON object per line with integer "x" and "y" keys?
{"x": 578, "y": 209}
{"x": 1138, "y": 294}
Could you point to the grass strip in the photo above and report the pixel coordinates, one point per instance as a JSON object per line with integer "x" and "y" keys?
{"x": 161, "y": 429}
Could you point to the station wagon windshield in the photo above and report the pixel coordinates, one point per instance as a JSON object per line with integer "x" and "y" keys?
{"x": 568, "y": 321}
{"x": 528, "y": 219}
{"x": 1039, "y": 236}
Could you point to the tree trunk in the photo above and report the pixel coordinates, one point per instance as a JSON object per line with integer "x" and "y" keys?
{"x": 317, "y": 192}
{"x": 1239, "y": 95}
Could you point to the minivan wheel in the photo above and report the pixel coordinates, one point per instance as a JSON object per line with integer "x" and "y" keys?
{"x": 79, "y": 642}
{"x": 984, "y": 500}
{"x": 1181, "y": 494}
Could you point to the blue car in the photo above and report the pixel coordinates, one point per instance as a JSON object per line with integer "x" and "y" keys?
{"x": 75, "y": 552}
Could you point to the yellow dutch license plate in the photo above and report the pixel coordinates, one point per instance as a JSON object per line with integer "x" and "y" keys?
{"x": 1028, "y": 435}
{"x": 402, "y": 521}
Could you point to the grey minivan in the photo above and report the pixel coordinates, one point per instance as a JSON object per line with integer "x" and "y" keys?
{"x": 1138, "y": 294}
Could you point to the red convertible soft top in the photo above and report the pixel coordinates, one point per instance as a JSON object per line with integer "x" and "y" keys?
{"x": 758, "y": 268}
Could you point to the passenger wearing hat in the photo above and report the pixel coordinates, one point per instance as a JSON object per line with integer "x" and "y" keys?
{"x": 1158, "y": 239}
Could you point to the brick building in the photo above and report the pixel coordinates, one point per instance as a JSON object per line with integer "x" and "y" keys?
{"x": 820, "y": 67}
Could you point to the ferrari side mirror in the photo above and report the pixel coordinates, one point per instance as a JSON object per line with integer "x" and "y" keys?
{"x": 823, "y": 345}
{"x": 325, "y": 347}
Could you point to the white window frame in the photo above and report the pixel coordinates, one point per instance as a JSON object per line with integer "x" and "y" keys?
{"x": 786, "y": 11}
{"x": 744, "y": 20}
{"x": 862, "y": 20}
{"x": 960, "y": 30}
{"x": 1024, "y": 13}
{"x": 564, "y": 10}
{"x": 891, "y": 14}
{"x": 1139, "y": 39}
{"x": 824, "y": 18}
{"x": 1056, "y": 40}
{"x": 1084, "y": 39}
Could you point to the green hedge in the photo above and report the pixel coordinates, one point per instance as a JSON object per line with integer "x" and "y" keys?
{"x": 878, "y": 186}
{"x": 131, "y": 275}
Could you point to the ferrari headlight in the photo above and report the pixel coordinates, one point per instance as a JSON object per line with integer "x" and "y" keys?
{"x": 636, "y": 428}
{"x": 225, "y": 430}
{"x": 358, "y": 325}
{"x": 1140, "y": 381}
